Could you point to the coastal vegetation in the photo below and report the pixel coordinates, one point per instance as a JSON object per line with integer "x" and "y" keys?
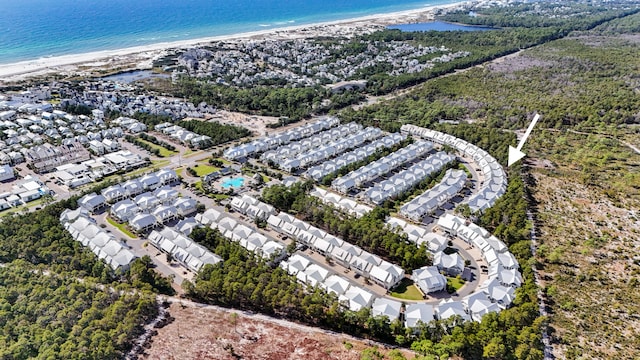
{"x": 581, "y": 179}
{"x": 53, "y": 315}
{"x": 59, "y": 300}
{"x": 292, "y": 103}
{"x": 219, "y": 133}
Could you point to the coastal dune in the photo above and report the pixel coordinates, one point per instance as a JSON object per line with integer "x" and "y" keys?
{"x": 141, "y": 57}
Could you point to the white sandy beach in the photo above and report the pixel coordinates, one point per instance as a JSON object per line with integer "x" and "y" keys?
{"x": 140, "y": 57}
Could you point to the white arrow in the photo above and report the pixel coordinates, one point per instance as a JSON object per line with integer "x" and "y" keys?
{"x": 514, "y": 153}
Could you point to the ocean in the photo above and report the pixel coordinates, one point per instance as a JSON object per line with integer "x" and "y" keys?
{"x": 32, "y": 29}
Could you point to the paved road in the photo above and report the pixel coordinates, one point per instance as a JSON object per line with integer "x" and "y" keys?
{"x": 140, "y": 247}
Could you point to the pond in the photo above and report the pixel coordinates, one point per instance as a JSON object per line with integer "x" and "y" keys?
{"x": 438, "y": 26}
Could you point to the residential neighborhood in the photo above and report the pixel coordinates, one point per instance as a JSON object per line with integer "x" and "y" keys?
{"x": 80, "y": 150}
{"x": 303, "y": 62}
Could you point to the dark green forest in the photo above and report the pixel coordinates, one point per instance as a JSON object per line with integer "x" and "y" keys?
{"x": 58, "y": 300}
{"x": 54, "y": 316}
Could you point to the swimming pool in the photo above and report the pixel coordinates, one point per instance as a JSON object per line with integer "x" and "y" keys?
{"x": 233, "y": 182}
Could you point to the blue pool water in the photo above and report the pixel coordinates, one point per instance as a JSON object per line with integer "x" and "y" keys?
{"x": 233, "y": 182}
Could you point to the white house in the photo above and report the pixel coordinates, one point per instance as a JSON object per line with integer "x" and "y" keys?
{"x": 209, "y": 217}
{"x": 272, "y": 248}
{"x": 165, "y": 213}
{"x": 435, "y": 242}
{"x": 452, "y": 264}
{"x": 124, "y": 210}
{"x": 448, "y": 308}
{"x": 386, "y": 307}
{"x": 478, "y": 304}
{"x": 146, "y": 201}
{"x": 336, "y": 284}
{"x": 132, "y": 188}
{"x": 166, "y": 195}
{"x": 429, "y": 279}
{"x": 167, "y": 176}
{"x": 150, "y": 182}
{"x": 315, "y": 274}
{"x": 295, "y": 264}
{"x": 356, "y": 298}
{"x": 186, "y": 225}
{"x": 416, "y": 313}
{"x": 93, "y": 202}
{"x": 500, "y": 294}
{"x": 143, "y": 222}
{"x": 185, "y": 206}
{"x": 386, "y": 274}
{"x": 113, "y": 193}
{"x": 6, "y": 173}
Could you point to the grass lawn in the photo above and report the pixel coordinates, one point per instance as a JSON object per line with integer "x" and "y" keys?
{"x": 198, "y": 186}
{"x": 163, "y": 152}
{"x": 455, "y": 282}
{"x": 121, "y": 227}
{"x": 407, "y": 290}
{"x": 203, "y": 169}
{"x": 155, "y": 165}
{"x": 189, "y": 153}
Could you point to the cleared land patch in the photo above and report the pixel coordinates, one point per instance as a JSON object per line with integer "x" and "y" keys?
{"x": 207, "y": 333}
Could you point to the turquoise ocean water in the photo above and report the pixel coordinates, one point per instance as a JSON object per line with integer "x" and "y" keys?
{"x": 31, "y": 29}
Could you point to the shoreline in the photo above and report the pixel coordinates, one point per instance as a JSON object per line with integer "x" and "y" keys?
{"x": 141, "y": 57}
